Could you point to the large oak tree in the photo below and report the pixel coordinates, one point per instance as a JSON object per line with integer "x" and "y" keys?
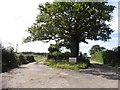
{"x": 71, "y": 23}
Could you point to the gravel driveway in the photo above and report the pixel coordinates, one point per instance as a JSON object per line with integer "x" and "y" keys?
{"x": 38, "y": 75}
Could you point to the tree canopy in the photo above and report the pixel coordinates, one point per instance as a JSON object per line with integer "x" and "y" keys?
{"x": 96, "y": 48}
{"x": 71, "y": 23}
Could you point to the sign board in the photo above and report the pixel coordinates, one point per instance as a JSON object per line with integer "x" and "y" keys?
{"x": 72, "y": 59}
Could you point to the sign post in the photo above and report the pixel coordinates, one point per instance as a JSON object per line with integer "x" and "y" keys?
{"x": 72, "y": 59}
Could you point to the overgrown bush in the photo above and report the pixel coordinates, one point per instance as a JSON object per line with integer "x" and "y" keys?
{"x": 22, "y": 59}
{"x": 59, "y": 56}
{"x": 109, "y": 57}
{"x": 117, "y": 56}
{"x": 53, "y": 48}
{"x": 55, "y": 55}
{"x": 83, "y": 59}
{"x": 9, "y": 59}
{"x": 54, "y": 52}
{"x": 66, "y": 55}
{"x": 30, "y": 58}
{"x": 50, "y": 56}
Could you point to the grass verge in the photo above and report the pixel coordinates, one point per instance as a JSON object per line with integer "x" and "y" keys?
{"x": 38, "y": 59}
{"x": 97, "y": 56}
{"x": 65, "y": 65}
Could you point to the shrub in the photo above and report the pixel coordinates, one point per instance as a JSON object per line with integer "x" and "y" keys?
{"x": 55, "y": 56}
{"x": 54, "y": 52}
{"x": 53, "y": 48}
{"x": 117, "y": 56}
{"x": 30, "y": 58}
{"x": 50, "y": 56}
{"x": 9, "y": 60}
{"x": 59, "y": 56}
{"x": 109, "y": 57}
{"x": 83, "y": 59}
{"x": 66, "y": 55}
{"x": 22, "y": 59}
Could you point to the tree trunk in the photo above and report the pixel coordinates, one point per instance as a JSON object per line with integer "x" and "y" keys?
{"x": 74, "y": 49}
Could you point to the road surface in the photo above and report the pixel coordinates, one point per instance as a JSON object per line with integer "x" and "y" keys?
{"x": 38, "y": 75}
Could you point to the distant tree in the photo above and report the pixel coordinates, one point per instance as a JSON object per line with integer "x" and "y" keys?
{"x": 0, "y": 45}
{"x": 85, "y": 55}
{"x": 96, "y": 48}
{"x": 102, "y": 48}
{"x": 72, "y": 23}
{"x": 116, "y": 49}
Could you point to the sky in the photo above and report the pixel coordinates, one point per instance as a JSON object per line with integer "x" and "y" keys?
{"x": 17, "y": 15}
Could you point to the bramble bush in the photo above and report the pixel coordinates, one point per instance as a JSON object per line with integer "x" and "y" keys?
{"x": 59, "y": 56}
{"x": 25, "y": 59}
{"x": 111, "y": 57}
{"x": 83, "y": 59}
{"x": 30, "y": 58}
{"x": 22, "y": 59}
{"x": 9, "y": 60}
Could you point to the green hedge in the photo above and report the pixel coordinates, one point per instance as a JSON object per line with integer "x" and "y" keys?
{"x": 111, "y": 58}
{"x": 9, "y": 60}
{"x": 23, "y": 59}
{"x": 30, "y": 58}
{"x": 59, "y": 56}
{"x": 108, "y": 57}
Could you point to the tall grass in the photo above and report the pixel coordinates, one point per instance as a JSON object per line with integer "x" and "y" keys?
{"x": 98, "y": 56}
{"x": 65, "y": 65}
{"x": 38, "y": 59}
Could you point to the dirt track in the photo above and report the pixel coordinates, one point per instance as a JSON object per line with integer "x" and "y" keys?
{"x": 38, "y": 75}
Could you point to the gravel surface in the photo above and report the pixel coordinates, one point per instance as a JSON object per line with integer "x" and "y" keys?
{"x": 38, "y": 75}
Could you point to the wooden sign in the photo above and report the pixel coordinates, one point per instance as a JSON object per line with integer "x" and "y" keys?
{"x": 72, "y": 59}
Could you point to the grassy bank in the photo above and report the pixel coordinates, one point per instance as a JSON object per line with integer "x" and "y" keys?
{"x": 38, "y": 59}
{"x": 65, "y": 65}
{"x": 97, "y": 56}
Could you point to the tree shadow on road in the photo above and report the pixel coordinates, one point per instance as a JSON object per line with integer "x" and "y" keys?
{"x": 102, "y": 70}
